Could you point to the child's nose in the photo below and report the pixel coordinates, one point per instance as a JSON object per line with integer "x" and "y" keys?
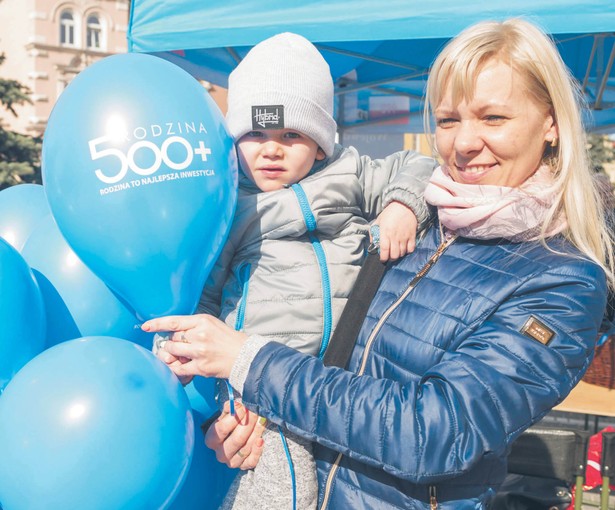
{"x": 272, "y": 149}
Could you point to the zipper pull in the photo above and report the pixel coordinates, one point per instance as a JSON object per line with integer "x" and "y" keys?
{"x": 433, "y": 502}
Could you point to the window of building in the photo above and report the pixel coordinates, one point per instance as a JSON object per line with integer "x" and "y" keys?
{"x": 67, "y": 28}
{"x": 94, "y": 32}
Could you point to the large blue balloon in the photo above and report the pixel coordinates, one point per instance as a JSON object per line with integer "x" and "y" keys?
{"x": 22, "y": 316}
{"x": 77, "y": 302}
{"x": 94, "y": 423}
{"x": 22, "y": 207}
{"x": 141, "y": 176}
{"x": 207, "y": 481}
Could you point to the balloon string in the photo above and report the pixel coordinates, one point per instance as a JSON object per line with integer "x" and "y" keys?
{"x": 289, "y": 459}
{"x": 231, "y": 396}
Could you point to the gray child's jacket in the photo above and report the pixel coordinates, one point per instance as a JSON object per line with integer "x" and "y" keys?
{"x": 292, "y": 255}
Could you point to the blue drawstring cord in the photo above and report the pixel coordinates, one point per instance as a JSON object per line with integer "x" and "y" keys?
{"x": 310, "y": 223}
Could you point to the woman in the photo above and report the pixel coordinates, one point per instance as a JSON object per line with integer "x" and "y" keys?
{"x": 475, "y": 336}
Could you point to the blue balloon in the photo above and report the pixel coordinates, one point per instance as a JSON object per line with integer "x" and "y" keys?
{"x": 207, "y": 481}
{"x": 141, "y": 177}
{"x": 201, "y": 392}
{"x": 22, "y": 207}
{"x": 22, "y": 315}
{"x": 77, "y": 302}
{"x": 94, "y": 423}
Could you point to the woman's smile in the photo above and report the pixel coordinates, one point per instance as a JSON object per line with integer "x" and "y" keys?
{"x": 474, "y": 174}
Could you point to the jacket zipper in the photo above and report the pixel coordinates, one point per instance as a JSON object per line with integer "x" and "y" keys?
{"x": 447, "y": 240}
{"x": 244, "y": 279}
{"x": 433, "y": 502}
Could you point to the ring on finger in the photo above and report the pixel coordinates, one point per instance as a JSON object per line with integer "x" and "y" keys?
{"x": 183, "y": 338}
{"x": 240, "y": 454}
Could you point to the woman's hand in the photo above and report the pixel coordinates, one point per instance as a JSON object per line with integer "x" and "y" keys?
{"x": 207, "y": 344}
{"x": 173, "y": 362}
{"x": 397, "y": 224}
{"x": 237, "y": 439}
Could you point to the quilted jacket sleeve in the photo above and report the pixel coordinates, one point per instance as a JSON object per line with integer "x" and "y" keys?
{"x": 473, "y": 403}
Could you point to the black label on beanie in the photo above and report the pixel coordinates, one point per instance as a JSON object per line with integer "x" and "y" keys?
{"x": 268, "y": 117}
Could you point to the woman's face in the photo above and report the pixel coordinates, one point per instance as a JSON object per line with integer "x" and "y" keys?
{"x": 499, "y": 136}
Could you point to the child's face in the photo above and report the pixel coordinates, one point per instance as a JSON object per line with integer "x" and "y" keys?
{"x": 273, "y": 158}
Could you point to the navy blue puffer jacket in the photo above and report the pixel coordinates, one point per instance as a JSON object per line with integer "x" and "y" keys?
{"x": 448, "y": 370}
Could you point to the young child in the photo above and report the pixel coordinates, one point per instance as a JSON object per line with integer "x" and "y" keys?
{"x": 300, "y": 231}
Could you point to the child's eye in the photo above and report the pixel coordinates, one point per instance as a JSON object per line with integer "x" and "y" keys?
{"x": 292, "y": 134}
{"x": 254, "y": 134}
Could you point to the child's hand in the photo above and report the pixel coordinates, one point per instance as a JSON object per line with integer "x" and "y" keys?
{"x": 236, "y": 439}
{"x": 397, "y": 231}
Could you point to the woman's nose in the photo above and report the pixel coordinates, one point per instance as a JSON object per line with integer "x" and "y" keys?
{"x": 468, "y": 138}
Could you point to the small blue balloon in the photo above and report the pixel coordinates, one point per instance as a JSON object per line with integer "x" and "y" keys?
{"x": 77, "y": 302}
{"x": 22, "y": 207}
{"x": 141, "y": 176}
{"x": 22, "y": 315}
{"x": 201, "y": 392}
{"x": 92, "y": 424}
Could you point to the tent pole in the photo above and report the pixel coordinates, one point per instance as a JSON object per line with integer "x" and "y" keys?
{"x": 605, "y": 77}
{"x": 340, "y": 115}
{"x": 368, "y": 58}
{"x": 590, "y": 61}
{"x": 360, "y": 86}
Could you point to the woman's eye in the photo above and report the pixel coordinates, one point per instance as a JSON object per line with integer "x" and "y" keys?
{"x": 445, "y": 122}
{"x": 494, "y": 119}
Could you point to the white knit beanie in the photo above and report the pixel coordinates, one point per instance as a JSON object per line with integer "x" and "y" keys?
{"x": 283, "y": 83}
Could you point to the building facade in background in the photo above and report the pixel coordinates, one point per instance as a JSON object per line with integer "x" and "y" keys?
{"x": 48, "y": 42}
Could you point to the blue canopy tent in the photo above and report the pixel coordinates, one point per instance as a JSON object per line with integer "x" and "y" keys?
{"x": 376, "y": 50}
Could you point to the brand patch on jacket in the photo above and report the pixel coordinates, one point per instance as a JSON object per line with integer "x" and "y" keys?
{"x": 538, "y": 330}
{"x": 268, "y": 117}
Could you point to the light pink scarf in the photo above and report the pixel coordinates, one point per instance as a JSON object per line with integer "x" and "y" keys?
{"x": 489, "y": 212}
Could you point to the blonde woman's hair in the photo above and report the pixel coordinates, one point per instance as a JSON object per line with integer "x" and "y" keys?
{"x": 534, "y": 56}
